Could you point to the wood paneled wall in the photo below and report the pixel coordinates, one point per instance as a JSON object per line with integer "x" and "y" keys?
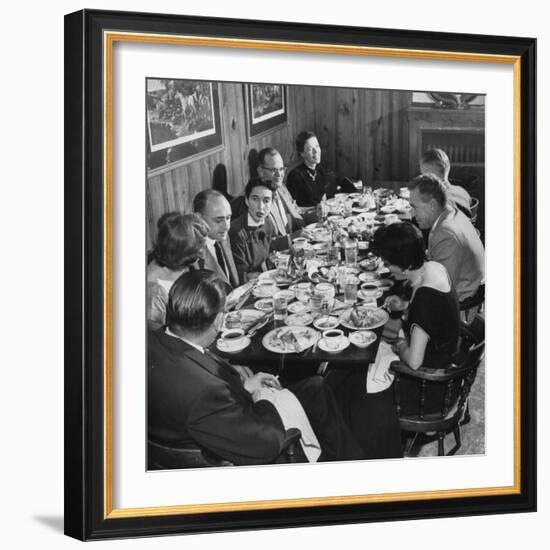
{"x": 363, "y": 135}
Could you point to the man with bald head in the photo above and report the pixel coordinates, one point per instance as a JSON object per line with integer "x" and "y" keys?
{"x": 214, "y": 209}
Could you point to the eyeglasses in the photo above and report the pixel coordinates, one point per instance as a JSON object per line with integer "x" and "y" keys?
{"x": 274, "y": 171}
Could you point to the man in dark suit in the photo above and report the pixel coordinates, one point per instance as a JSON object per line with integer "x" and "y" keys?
{"x": 214, "y": 209}
{"x": 197, "y": 398}
{"x": 284, "y": 214}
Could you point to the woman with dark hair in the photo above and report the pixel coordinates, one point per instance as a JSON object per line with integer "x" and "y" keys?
{"x": 432, "y": 321}
{"x": 309, "y": 182}
{"x": 179, "y": 245}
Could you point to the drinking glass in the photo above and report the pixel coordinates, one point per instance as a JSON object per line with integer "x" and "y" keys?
{"x": 351, "y": 252}
{"x": 233, "y": 320}
{"x": 350, "y": 290}
{"x": 279, "y": 306}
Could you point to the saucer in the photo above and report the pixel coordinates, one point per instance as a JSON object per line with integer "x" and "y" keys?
{"x": 266, "y": 304}
{"x": 342, "y": 345}
{"x": 234, "y": 348}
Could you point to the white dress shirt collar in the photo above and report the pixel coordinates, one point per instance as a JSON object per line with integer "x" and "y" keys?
{"x": 196, "y": 346}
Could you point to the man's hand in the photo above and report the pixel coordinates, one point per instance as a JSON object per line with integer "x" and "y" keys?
{"x": 261, "y": 380}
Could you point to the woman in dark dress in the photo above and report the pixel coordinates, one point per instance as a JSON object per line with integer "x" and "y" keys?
{"x": 431, "y": 321}
{"x": 309, "y": 181}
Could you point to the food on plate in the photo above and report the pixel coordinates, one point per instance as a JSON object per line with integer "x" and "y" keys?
{"x": 291, "y": 339}
{"x": 362, "y": 339}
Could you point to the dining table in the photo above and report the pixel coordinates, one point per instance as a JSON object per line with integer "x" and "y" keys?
{"x": 258, "y": 357}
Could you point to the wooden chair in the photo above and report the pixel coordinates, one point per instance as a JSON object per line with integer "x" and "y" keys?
{"x": 473, "y": 304}
{"x": 474, "y": 205}
{"x": 458, "y": 377}
{"x": 160, "y": 457}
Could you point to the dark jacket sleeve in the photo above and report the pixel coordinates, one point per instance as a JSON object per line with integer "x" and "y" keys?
{"x": 243, "y": 433}
{"x": 296, "y": 187}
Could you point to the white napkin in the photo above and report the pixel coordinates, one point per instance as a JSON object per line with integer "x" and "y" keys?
{"x": 378, "y": 376}
{"x": 293, "y": 416}
{"x": 236, "y": 294}
{"x": 312, "y": 266}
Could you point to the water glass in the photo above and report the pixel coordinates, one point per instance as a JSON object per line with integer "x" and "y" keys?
{"x": 350, "y": 290}
{"x": 351, "y": 252}
{"x": 315, "y": 304}
{"x": 233, "y": 320}
{"x": 333, "y": 254}
{"x": 279, "y": 306}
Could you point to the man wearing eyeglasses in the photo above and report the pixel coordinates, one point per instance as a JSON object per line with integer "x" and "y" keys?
{"x": 284, "y": 213}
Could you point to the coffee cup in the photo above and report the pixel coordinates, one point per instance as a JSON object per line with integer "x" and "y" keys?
{"x": 333, "y": 337}
{"x": 232, "y": 339}
{"x": 370, "y": 290}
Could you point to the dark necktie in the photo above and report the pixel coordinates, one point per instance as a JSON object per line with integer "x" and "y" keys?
{"x": 220, "y": 258}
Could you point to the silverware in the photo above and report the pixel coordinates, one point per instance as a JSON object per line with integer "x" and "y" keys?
{"x": 259, "y": 324}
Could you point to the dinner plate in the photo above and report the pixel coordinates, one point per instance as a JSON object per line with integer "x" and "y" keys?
{"x": 290, "y": 339}
{"x": 261, "y": 293}
{"x": 299, "y": 320}
{"x": 380, "y": 318}
{"x": 369, "y": 277}
{"x": 272, "y": 275}
{"x": 234, "y": 348}
{"x": 342, "y": 345}
{"x": 248, "y": 318}
{"x": 266, "y": 304}
{"x": 362, "y": 338}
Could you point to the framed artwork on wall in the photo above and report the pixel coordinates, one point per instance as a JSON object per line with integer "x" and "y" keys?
{"x": 183, "y": 120}
{"x": 114, "y": 60}
{"x": 266, "y": 108}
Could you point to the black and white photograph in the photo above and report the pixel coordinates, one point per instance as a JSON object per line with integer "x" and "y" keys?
{"x": 315, "y": 290}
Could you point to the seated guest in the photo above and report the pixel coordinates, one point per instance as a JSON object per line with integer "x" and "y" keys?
{"x": 433, "y": 322}
{"x": 436, "y": 161}
{"x": 179, "y": 245}
{"x": 284, "y": 214}
{"x": 196, "y": 397}
{"x": 250, "y": 234}
{"x": 214, "y": 209}
{"x": 309, "y": 182}
{"x": 453, "y": 240}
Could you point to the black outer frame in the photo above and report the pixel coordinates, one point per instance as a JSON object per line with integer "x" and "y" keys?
{"x": 84, "y": 515}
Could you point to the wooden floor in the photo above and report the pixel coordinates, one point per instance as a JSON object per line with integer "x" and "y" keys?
{"x": 472, "y": 434}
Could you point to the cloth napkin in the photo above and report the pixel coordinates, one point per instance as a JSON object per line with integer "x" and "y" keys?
{"x": 236, "y": 294}
{"x": 378, "y": 376}
{"x": 293, "y": 416}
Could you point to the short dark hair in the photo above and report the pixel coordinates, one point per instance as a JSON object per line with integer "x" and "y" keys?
{"x": 180, "y": 240}
{"x": 430, "y": 187}
{"x": 266, "y": 151}
{"x": 438, "y": 159}
{"x": 257, "y": 182}
{"x": 302, "y": 138}
{"x": 201, "y": 199}
{"x": 194, "y": 301}
{"x": 400, "y": 244}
